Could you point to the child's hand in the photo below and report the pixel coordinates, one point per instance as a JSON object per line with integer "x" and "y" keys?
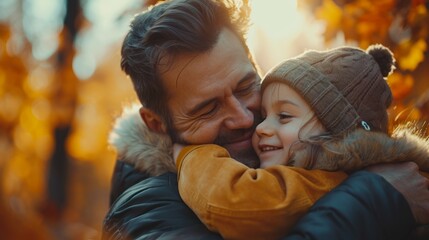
{"x": 176, "y": 150}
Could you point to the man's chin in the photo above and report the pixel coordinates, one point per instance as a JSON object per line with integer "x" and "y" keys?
{"x": 239, "y": 146}
{"x": 243, "y": 152}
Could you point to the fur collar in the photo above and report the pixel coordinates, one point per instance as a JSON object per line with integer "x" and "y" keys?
{"x": 135, "y": 144}
{"x": 361, "y": 148}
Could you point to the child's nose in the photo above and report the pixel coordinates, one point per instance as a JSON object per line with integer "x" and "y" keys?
{"x": 265, "y": 128}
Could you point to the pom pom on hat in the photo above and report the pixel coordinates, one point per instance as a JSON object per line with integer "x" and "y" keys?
{"x": 384, "y": 58}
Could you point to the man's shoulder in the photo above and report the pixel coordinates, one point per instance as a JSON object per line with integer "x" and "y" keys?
{"x": 142, "y": 201}
{"x": 153, "y": 207}
{"x": 159, "y": 185}
{"x": 162, "y": 186}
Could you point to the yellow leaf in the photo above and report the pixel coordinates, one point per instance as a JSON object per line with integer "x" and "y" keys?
{"x": 401, "y": 85}
{"x": 332, "y": 15}
{"x": 410, "y": 54}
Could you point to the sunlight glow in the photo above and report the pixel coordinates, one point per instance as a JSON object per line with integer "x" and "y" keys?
{"x": 84, "y": 65}
{"x": 279, "y": 30}
{"x": 5, "y": 6}
{"x": 94, "y": 44}
{"x": 42, "y": 20}
{"x": 277, "y": 17}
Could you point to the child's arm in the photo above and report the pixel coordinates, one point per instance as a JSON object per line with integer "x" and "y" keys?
{"x": 244, "y": 203}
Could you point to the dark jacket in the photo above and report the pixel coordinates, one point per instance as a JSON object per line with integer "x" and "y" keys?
{"x": 145, "y": 202}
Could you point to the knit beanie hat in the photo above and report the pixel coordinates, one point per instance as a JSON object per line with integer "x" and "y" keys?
{"x": 345, "y": 87}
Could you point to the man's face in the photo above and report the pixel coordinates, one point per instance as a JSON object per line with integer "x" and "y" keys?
{"x": 214, "y": 97}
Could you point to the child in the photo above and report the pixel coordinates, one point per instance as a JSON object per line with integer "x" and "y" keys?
{"x": 323, "y": 110}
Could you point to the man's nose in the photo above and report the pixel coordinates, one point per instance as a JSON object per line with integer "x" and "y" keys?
{"x": 238, "y": 115}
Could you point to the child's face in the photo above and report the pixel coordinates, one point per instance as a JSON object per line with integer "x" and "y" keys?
{"x": 285, "y": 113}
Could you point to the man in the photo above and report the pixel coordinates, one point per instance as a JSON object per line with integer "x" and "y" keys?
{"x": 195, "y": 77}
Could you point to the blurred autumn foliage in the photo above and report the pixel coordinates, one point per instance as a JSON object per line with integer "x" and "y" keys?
{"x": 55, "y": 162}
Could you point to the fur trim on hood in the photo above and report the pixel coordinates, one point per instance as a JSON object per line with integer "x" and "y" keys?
{"x": 148, "y": 151}
{"x": 361, "y": 148}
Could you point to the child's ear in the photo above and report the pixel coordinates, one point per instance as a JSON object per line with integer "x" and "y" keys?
{"x": 153, "y": 121}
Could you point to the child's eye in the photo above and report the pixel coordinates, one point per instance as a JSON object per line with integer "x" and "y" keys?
{"x": 284, "y": 116}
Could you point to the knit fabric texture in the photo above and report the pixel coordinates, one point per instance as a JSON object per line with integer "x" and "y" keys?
{"x": 344, "y": 86}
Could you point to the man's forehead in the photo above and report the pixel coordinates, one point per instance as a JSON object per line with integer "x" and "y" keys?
{"x": 227, "y": 50}
{"x": 171, "y": 66}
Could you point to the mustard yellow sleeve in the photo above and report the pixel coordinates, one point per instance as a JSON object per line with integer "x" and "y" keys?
{"x": 245, "y": 203}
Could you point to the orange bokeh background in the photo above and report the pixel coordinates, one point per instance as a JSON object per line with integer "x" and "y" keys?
{"x": 61, "y": 88}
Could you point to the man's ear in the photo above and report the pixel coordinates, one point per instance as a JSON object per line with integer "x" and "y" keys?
{"x": 153, "y": 121}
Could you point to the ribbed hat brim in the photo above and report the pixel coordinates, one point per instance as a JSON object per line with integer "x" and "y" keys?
{"x": 330, "y": 106}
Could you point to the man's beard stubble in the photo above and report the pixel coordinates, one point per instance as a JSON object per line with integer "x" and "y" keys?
{"x": 246, "y": 156}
